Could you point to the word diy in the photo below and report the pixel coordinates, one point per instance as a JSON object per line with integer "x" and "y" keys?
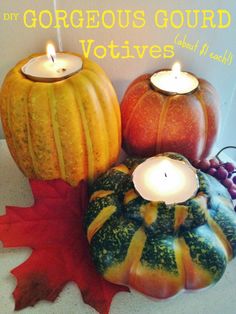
{"x": 10, "y": 16}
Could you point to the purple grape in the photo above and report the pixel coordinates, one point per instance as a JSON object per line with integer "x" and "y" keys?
{"x": 232, "y": 192}
{"x": 221, "y": 173}
{"x": 228, "y": 183}
{"x": 234, "y": 179}
{"x": 212, "y": 171}
{"x": 204, "y": 164}
{"x": 229, "y": 166}
{"x": 214, "y": 163}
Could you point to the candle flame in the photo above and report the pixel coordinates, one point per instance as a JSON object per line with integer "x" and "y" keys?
{"x": 176, "y": 69}
{"x": 51, "y": 53}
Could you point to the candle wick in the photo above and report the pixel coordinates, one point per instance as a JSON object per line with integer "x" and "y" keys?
{"x": 53, "y": 60}
{"x": 165, "y": 175}
{"x": 59, "y": 70}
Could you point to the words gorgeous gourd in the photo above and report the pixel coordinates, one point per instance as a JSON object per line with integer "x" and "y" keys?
{"x": 154, "y": 248}
{"x": 153, "y": 122}
{"x": 68, "y": 129}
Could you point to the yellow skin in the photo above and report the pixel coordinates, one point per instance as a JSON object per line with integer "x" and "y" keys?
{"x": 68, "y": 129}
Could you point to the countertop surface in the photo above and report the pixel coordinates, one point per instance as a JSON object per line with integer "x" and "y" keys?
{"x": 14, "y": 190}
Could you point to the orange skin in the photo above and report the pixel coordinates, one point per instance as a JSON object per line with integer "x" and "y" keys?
{"x": 153, "y": 122}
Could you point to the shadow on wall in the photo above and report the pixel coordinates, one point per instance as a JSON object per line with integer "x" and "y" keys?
{"x": 1, "y": 131}
{"x": 228, "y": 130}
{"x": 120, "y": 87}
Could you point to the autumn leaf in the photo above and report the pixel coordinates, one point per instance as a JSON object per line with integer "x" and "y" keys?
{"x": 53, "y": 228}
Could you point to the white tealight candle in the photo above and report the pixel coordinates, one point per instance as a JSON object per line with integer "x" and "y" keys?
{"x": 52, "y": 67}
{"x": 174, "y": 81}
{"x": 165, "y": 179}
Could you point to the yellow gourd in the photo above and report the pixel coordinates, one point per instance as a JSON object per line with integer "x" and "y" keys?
{"x": 68, "y": 129}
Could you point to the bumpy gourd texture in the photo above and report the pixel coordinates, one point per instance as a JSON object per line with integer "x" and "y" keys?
{"x": 153, "y": 123}
{"x": 154, "y": 248}
{"x": 68, "y": 129}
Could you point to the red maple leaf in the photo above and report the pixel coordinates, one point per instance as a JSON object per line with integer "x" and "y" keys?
{"x": 53, "y": 228}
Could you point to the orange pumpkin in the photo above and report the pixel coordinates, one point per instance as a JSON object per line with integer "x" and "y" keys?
{"x": 153, "y": 122}
{"x": 68, "y": 129}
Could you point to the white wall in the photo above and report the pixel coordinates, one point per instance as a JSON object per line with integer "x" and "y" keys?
{"x": 18, "y": 42}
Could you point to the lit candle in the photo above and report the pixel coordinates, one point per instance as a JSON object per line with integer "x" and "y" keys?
{"x": 171, "y": 82}
{"x": 52, "y": 67}
{"x": 165, "y": 179}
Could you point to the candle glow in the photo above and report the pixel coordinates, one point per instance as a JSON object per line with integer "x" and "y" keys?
{"x": 52, "y": 66}
{"x": 51, "y": 53}
{"x": 176, "y": 69}
{"x": 174, "y": 81}
{"x": 164, "y": 179}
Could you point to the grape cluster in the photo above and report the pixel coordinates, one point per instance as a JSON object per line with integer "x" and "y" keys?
{"x": 223, "y": 172}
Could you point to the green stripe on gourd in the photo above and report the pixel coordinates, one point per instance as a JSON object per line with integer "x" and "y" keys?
{"x": 226, "y": 220}
{"x": 110, "y": 244}
{"x": 203, "y": 182}
{"x": 115, "y": 180}
{"x": 165, "y": 221}
{"x": 97, "y": 205}
{"x": 206, "y": 250}
{"x": 159, "y": 253}
{"x": 132, "y": 209}
{"x": 176, "y": 156}
{"x": 196, "y": 216}
{"x": 133, "y": 162}
{"x": 125, "y": 186}
{"x": 170, "y": 237}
